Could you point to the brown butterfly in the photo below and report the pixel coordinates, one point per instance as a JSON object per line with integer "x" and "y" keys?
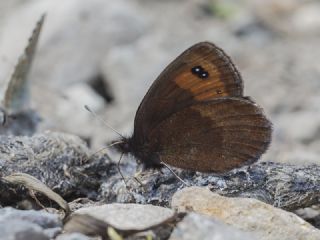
{"x": 195, "y": 116}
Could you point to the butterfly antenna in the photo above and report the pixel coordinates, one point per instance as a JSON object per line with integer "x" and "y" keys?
{"x": 101, "y": 120}
{"x": 179, "y": 178}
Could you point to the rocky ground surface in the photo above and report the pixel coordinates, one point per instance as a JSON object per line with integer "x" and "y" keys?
{"x": 106, "y": 55}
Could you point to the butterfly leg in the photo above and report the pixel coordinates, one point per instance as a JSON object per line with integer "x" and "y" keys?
{"x": 136, "y": 177}
{"x": 119, "y": 169}
{"x": 179, "y": 178}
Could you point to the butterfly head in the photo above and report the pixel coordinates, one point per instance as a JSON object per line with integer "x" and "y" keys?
{"x": 124, "y": 145}
{"x": 142, "y": 153}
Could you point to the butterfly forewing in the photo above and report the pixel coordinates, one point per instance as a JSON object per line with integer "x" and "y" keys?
{"x": 201, "y": 73}
{"x": 216, "y": 135}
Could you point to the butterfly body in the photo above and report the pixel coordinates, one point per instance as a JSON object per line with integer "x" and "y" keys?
{"x": 143, "y": 153}
{"x": 195, "y": 116}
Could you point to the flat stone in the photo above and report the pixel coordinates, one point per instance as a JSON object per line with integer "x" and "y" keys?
{"x": 129, "y": 216}
{"x": 251, "y": 215}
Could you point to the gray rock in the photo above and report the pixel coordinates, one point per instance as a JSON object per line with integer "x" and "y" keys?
{"x": 20, "y": 229}
{"x": 28, "y": 224}
{"x": 197, "y": 226}
{"x": 48, "y": 157}
{"x": 282, "y": 185}
{"x": 43, "y": 219}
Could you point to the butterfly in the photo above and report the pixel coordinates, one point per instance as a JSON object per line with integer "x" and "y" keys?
{"x": 16, "y": 116}
{"x": 195, "y": 117}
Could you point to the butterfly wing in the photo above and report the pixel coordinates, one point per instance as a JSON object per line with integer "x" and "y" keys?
{"x": 201, "y": 73}
{"x": 212, "y": 136}
{"x": 16, "y": 97}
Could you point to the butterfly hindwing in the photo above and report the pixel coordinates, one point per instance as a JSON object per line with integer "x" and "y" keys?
{"x": 216, "y": 136}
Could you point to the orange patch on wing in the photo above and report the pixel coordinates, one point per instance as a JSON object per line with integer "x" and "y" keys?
{"x": 203, "y": 88}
